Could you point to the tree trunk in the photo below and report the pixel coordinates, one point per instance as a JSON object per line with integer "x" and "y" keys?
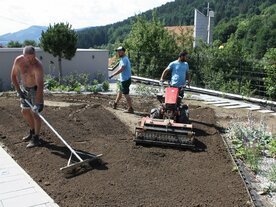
{"x": 60, "y": 70}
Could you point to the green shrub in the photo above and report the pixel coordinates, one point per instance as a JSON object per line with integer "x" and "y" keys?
{"x": 95, "y": 82}
{"x": 270, "y": 70}
{"x": 51, "y": 83}
{"x": 272, "y": 147}
{"x": 75, "y": 82}
{"x": 143, "y": 89}
{"x": 272, "y": 173}
{"x": 105, "y": 85}
{"x": 250, "y": 141}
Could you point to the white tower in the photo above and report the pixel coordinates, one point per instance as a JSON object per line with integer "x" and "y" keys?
{"x": 203, "y": 27}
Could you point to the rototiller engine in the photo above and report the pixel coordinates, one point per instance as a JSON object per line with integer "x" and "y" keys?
{"x": 168, "y": 125}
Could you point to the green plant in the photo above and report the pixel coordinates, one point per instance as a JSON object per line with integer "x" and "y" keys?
{"x": 142, "y": 89}
{"x": 51, "y": 83}
{"x": 272, "y": 147}
{"x": 100, "y": 77}
{"x": 272, "y": 173}
{"x": 75, "y": 82}
{"x": 83, "y": 78}
{"x": 105, "y": 85}
{"x": 94, "y": 88}
{"x": 95, "y": 82}
{"x": 270, "y": 69}
{"x": 249, "y": 140}
{"x": 252, "y": 158}
{"x": 188, "y": 95}
{"x": 246, "y": 89}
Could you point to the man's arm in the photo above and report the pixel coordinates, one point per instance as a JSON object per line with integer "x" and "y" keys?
{"x": 123, "y": 66}
{"x": 118, "y": 71}
{"x": 14, "y": 75}
{"x": 164, "y": 74}
{"x": 39, "y": 79}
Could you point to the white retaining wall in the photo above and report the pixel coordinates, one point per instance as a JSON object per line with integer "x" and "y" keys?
{"x": 92, "y": 61}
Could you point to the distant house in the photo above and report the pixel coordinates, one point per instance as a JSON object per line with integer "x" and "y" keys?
{"x": 183, "y": 34}
{"x": 91, "y": 61}
{"x": 202, "y": 30}
{"x": 181, "y": 30}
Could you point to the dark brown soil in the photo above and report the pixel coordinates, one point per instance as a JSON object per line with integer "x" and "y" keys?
{"x": 132, "y": 175}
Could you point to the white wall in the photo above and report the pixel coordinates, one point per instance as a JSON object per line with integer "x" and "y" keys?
{"x": 92, "y": 61}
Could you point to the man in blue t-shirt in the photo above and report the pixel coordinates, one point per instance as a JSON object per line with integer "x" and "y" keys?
{"x": 125, "y": 79}
{"x": 179, "y": 71}
{"x": 179, "y": 74}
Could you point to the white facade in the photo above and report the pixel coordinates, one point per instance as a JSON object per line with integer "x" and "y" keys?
{"x": 91, "y": 61}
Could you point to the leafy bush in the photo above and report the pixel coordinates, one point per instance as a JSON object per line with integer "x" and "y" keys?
{"x": 249, "y": 141}
{"x": 51, "y": 83}
{"x": 272, "y": 147}
{"x": 75, "y": 82}
{"x": 270, "y": 69}
{"x": 95, "y": 82}
{"x": 142, "y": 89}
{"x": 272, "y": 173}
{"x": 105, "y": 85}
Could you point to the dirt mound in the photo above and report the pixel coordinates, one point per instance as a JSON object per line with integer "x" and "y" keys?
{"x": 132, "y": 175}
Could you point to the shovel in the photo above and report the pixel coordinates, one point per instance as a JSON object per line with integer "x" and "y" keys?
{"x": 71, "y": 167}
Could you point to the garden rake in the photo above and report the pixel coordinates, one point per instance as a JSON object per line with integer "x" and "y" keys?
{"x": 71, "y": 167}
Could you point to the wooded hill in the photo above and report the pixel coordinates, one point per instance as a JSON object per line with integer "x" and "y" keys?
{"x": 252, "y": 21}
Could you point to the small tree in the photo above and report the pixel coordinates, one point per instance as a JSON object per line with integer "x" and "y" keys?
{"x": 59, "y": 40}
{"x": 269, "y": 64}
{"x": 152, "y": 45}
{"x": 29, "y": 42}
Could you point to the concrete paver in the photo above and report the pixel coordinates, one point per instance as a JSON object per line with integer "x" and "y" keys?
{"x": 17, "y": 188}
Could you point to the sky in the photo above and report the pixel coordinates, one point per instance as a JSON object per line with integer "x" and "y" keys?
{"x": 16, "y": 15}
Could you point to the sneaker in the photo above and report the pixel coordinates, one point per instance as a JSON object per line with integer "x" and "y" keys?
{"x": 34, "y": 142}
{"x": 129, "y": 110}
{"x": 29, "y": 136}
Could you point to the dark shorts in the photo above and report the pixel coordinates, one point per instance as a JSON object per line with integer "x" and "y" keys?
{"x": 31, "y": 92}
{"x": 124, "y": 86}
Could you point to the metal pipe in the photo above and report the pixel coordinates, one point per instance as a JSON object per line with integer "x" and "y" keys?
{"x": 58, "y": 135}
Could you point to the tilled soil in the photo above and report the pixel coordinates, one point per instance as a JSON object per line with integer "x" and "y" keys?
{"x": 130, "y": 175}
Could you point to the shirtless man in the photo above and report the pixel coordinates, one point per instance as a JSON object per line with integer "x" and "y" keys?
{"x": 29, "y": 70}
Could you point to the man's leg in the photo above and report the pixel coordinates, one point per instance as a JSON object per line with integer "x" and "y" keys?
{"x": 37, "y": 123}
{"x": 26, "y": 112}
{"x": 35, "y": 141}
{"x": 118, "y": 98}
{"x": 129, "y": 102}
{"x": 126, "y": 90}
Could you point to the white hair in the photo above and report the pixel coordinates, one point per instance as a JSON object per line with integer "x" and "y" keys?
{"x": 28, "y": 50}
